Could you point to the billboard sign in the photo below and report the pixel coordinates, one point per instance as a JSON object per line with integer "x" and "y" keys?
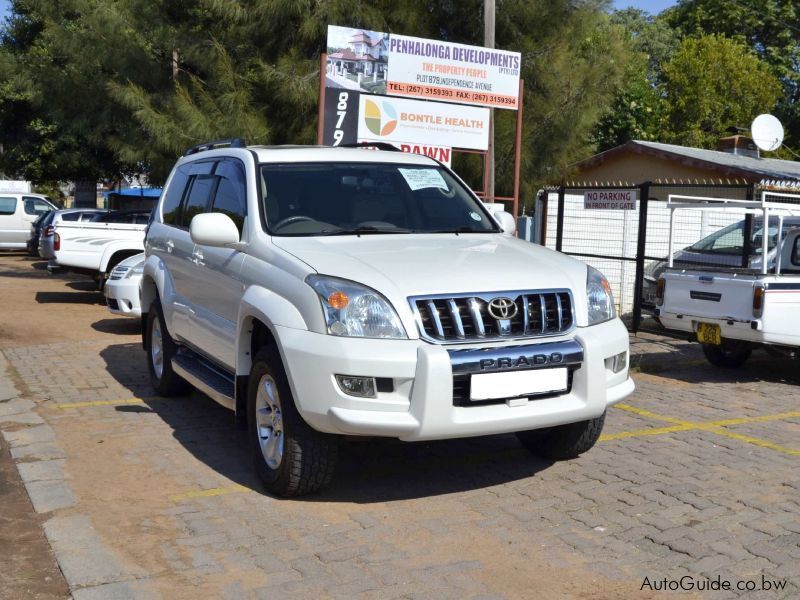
{"x": 610, "y": 199}
{"x": 399, "y": 120}
{"x": 440, "y": 153}
{"x": 380, "y": 63}
{"x": 453, "y": 72}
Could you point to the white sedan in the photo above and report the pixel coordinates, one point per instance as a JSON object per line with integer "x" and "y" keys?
{"x": 122, "y": 287}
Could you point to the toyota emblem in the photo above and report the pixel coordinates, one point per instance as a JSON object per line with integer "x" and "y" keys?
{"x": 503, "y": 308}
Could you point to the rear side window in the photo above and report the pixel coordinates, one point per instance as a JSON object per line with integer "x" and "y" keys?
{"x": 197, "y": 198}
{"x": 8, "y": 206}
{"x": 170, "y": 208}
{"x": 70, "y": 217}
{"x": 796, "y": 252}
{"x": 231, "y": 195}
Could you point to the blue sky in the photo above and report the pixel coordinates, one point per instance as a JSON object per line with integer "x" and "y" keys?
{"x": 652, "y": 6}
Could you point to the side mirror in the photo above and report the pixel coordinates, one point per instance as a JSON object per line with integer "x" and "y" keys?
{"x": 506, "y": 221}
{"x": 213, "y": 229}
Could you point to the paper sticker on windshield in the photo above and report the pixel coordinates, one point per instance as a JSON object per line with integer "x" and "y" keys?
{"x": 418, "y": 179}
{"x": 475, "y": 216}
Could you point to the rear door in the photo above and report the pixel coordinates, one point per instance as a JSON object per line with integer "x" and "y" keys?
{"x": 216, "y": 272}
{"x": 181, "y": 252}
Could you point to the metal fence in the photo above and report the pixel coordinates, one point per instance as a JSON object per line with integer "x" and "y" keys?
{"x": 631, "y": 247}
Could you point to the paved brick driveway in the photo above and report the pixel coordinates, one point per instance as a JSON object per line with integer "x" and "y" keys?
{"x": 697, "y": 474}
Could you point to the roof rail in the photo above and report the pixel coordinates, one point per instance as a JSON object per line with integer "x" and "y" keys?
{"x": 231, "y": 143}
{"x": 379, "y": 145}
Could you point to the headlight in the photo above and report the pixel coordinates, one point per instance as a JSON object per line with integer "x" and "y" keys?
{"x": 134, "y": 271}
{"x": 354, "y": 310}
{"x": 599, "y": 297}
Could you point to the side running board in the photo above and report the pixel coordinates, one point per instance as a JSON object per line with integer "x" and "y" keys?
{"x": 209, "y": 379}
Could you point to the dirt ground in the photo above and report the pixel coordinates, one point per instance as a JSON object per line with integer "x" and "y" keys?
{"x": 28, "y": 569}
{"x": 39, "y": 308}
{"x": 27, "y": 566}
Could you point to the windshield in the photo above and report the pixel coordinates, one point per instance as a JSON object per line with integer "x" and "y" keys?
{"x": 368, "y": 198}
{"x": 730, "y": 239}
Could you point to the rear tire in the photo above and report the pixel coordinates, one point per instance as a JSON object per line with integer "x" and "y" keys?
{"x": 565, "y": 441}
{"x": 290, "y": 457}
{"x": 160, "y": 351}
{"x": 727, "y": 356}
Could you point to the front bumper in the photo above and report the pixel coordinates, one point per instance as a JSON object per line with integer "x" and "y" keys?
{"x": 122, "y": 297}
{"x": 421, "y": 405}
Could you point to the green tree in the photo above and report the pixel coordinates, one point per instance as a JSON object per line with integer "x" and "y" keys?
{"x": 636, "y": 110}
{"x": 120, "y": 86}
{"x": 713, "y": 83}
{"x": 770, "y": 28}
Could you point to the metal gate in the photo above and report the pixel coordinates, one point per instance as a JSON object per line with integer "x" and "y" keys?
{"x": 630, "y": 247}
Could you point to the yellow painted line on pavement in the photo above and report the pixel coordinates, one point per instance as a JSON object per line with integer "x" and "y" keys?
{"x": 756, "y": 441}
{"x": 643, "y": 432}
{"x": 716, "y": 427}
{"x": 63, "y": 405}
{"x": 759, "y": 419}
{"x": 646, "y": 413}
{"x": 209, "y": 493}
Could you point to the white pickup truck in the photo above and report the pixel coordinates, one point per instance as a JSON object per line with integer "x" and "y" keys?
{"x": 95, "y": 248}
{"x": 329, "y": 292}
{"x": 732, "y": 311}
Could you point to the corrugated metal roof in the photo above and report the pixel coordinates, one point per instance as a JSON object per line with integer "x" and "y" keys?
{"x": 767, "y": 167}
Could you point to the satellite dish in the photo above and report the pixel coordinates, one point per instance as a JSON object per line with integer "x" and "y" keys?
{"x": 767, "y": 132}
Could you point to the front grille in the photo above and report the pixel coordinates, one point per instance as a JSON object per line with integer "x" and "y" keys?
{"x": 467, "y": 317}
{"x": 118, "y": 273}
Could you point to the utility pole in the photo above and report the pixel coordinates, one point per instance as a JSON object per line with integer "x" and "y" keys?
{"x": 488, "y": 41}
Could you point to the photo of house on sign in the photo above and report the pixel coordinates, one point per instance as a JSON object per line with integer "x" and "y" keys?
{"x": 357, "y": 59}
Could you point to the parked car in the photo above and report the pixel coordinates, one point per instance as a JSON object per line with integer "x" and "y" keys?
{"x": 44, "y": 243}
{"x": 122, "y": 287}
{"x": 329, "y": 292}
{"x": 36, "y": 230}
{"x": 17, "y": 213}
{"x": 722, "y": 248}
{"x": 95, "y": 248}
{"x": 733, "y": 313}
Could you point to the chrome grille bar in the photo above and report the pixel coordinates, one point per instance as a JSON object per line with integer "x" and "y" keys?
{"x": 543, "y": 308}
{"x": 560, "y": 313}
{"x": 456, "y": 316}
{"x": 436, "y": 320}
{"x": 525, "y": 316}
{"x": 477, "y": 318}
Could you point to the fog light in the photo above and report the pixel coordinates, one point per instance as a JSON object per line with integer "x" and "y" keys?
{"x": 363, "y": 387}
{"x": 618, "y": 362}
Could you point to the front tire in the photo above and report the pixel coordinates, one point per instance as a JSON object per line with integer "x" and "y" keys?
{"x": 160, "y": 351}
{"x": 565, "y": 441}
{"x": 728, "y": 355}
{"x": 290, "y": 457}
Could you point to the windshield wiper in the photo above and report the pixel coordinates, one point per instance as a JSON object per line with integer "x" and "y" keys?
{"x": 365, "y": 230}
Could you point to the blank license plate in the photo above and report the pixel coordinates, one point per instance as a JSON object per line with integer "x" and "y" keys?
{"x": 709, "y": 333}
{"x": 495, "y": 386}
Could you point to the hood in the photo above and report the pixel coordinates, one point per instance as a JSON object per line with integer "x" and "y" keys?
{"x": 406, "y": 265}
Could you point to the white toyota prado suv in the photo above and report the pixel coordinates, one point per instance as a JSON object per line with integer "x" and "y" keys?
{"x": 329, "y": 292}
